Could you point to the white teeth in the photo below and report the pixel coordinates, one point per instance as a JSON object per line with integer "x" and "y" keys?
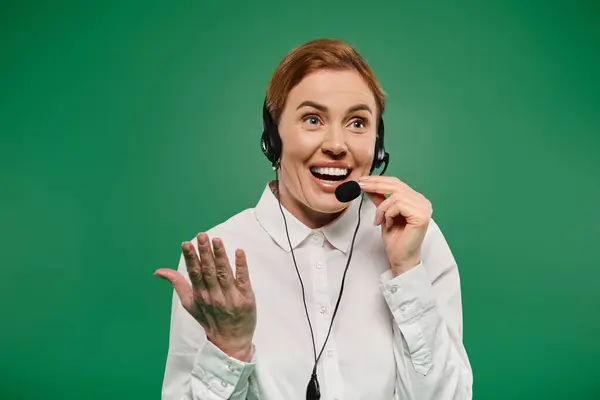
{"x": 330, "y": 171}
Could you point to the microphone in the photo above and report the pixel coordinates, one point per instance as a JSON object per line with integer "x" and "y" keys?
{"x": 347, "y": 191}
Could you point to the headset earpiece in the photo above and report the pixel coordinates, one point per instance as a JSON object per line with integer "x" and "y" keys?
{"x": 380, "y": 157}
{"x": 270, "y": 140}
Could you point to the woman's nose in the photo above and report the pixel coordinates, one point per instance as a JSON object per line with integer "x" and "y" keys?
{"x": 334, "y": 143}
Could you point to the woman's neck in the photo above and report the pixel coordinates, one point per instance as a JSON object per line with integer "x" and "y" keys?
{"x": 311, "y": 218}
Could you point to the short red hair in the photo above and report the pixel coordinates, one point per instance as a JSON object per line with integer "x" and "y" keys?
{"x": 319, "y": 54}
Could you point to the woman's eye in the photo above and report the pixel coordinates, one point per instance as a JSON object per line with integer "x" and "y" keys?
{"x": 358, "y": 123}
{"x": 311, "y": 120}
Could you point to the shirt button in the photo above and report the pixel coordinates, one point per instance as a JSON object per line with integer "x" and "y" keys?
{"x": 231, "y": 368}
{"x": 329, "y": 352}
{"x": 394, "y": 289}
{"x": 319, "y": 265}
{"x": 323, "y": 309}
{"x": 223, "y": 383}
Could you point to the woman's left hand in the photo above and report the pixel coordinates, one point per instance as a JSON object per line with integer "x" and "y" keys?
{"x": 404, "y": 217}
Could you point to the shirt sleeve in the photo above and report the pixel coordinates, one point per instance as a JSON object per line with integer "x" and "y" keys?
{"x": 198, "y": 370}
{"x": 425, "y": 303}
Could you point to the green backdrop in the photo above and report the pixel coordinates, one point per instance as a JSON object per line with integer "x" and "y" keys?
{"x": 127, "y": 127}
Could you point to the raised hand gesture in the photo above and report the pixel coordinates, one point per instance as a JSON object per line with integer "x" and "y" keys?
{"x": 224, "y": 305}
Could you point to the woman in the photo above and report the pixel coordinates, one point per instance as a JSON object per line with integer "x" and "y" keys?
{"x": 303, "y": 295}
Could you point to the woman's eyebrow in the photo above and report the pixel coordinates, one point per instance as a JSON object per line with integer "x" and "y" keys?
{"x": 320, "y": 107}
{"x": 309, "y": 103}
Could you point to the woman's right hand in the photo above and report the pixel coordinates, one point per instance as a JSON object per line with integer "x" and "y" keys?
{"x": 225, "y": 306}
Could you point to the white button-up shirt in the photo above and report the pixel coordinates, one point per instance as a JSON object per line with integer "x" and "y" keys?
{"x": 393, "y": 337}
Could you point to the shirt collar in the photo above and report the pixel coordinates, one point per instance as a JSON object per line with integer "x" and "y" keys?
{"x": 338, "y": 233}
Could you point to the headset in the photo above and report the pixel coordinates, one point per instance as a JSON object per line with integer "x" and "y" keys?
{"x": 271, "y": 142}
{"x": 271, "y": 147}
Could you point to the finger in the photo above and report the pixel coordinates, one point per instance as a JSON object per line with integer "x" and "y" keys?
{"x": 392, "y": 213}
{"x": 389, "y": 221}
{"x": 242, "y": 276}
{"x": 223, "y": 268}
{"x": 182, "y": 287}
{"x": 384, "y": 188}
{"x": 383, "y": 203}
{"x": 192, "y": 263}
{"x": 208, "y": 262}
{"x": 382, "y": 209}
{"x": 398, "y": 205}
{"x": 405, "y": 200}
{"x": 376, "y": 198}
{"x": 398, "y": 220}
{"x": 381, "y": 179}
{"x": 409, "y": 210}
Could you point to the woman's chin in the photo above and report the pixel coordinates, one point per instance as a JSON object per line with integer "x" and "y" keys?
{"x": 326, "y": 203}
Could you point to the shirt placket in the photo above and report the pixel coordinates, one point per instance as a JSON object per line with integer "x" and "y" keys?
{"x": 331, "y": 387}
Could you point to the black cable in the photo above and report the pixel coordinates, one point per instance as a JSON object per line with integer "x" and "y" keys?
{"x": 313, "y": 390}
{"x": 297, "y": 271}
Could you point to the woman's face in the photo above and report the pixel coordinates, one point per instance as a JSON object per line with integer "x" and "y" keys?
{"x": 328, "y": 131}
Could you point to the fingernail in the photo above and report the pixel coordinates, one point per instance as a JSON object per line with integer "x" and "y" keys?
{"x": 363, "y": 178}
{"x": 216, "y": 244}
{"x": 203, "y": 239}
{"x": 362, "y": 183}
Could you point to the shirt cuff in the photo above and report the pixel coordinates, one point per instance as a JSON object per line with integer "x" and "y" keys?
{"x": 221, "y": 373}
{"x": 408, "y": 294}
